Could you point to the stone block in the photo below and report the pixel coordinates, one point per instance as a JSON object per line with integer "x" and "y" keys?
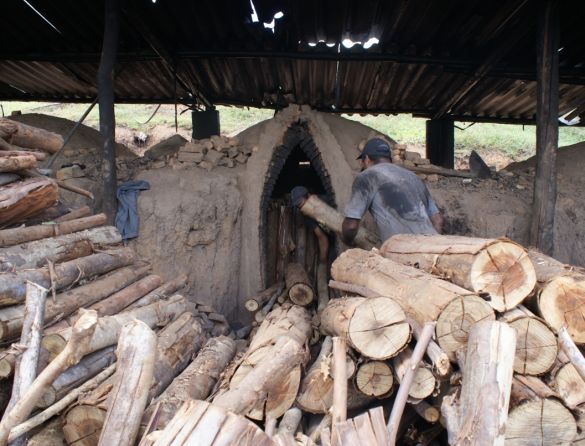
{"x": 167, "y": 147}
{"x": 188, "y": 157}
{"x": 67, "y": 173}
{"x": 193, "y": 147}
{"x": 213, "y": 157}
{"x": 412, "y": 156}
{"x": 241, "y": 158}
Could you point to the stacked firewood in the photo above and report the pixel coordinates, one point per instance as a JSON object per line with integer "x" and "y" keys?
{"x": 69, "y": 293}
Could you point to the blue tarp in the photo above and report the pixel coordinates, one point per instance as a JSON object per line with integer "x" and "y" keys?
{"x": 127, "y": 215}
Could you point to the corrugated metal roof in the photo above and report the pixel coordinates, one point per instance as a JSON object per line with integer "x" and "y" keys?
{"x": 426, "y": 53}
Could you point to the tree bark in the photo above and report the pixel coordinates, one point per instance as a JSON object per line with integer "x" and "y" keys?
{"x": 123, "y": 298}
{"x": 203, "y": 424}
{"x": 30, "y": 339}
{"x": 75, "y": 376}
{"x": 290, "y": 421}
{"x": 536, "y": 343}
{"x": 423, "y": 297}
{"x": 375, "y": 327}
{"x": 136, "y": 355}
{"x": 75, "y": 349}
{"x": 31, "y": 137}
{"x": 339, "y": 407}
{"x": 69, "y": 301}
{"x": 56, "y": 249}
{"x": 322, "y": 288}
{"x": 316, "y": 393}
{"x": 196, "y": 381}
{"x": 256, "y": 302}
{"x": 423, "y": 382}
{"x": 561, "y": 293}
{"x": 12, "y": 285}
{"x": 479, "y": 417}
{"x": 498, "y": 268}
{"x": 15, "y": 162}
{"x": 374, "y": 378}
{"x": 162, "y": 292}
{"x": 77, "y": 214}
{"x": 16, "y": 236}
{"x": 27, "y": 198}
{"x": 300, "y": 291}
{"x": 331, "y": 218}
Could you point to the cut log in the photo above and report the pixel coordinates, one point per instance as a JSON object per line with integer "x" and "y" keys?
{"x": 203, "y": 424}
{"x": 536, "y": 343}
{"x": 427, "y": 412}
{"x": 339, "y": 407}
{"x": 423, "y": 297}
{"x": 498, "y": 268}
{"x": 75, "y": 214}
{"x": 7, "y": 178}
{"x": 76, "y": 348}
{"x": 561, "y": 295}
{"x": 23, "y": 199}
{"x": 35, "y": 254}
{"x": 256, "y": 302}
{"x": 579, "y": 440}
{"x": 108, "y": 328}
{"x": 322, "y": 288}
{"x": 375, "y": 327}
{"x": 365, "y": 429}
{"x": 284, "y": 241}
{"x": 14, "y": 163}
{"x": 13, "y": 285}
{"x": 123, "y": 298}
{"x": 316, "y": 394}
{"x": 569, "y": 385}
{"x": 30, "y": 340}
{"x": 136, "y": 355}
{"x": 291, "y": 321}
{"x": 16, "y": 236}
{"x": 540, "y": 421}
{"x": 267, "y": 382}
{"x": 374, "y": 378}
{"x": 196, "y": 381}
{"x": 479, "y": 417}
{"x": 27, "y": 136}
{"x": 12, "y": 150}
{"x": 162, "y": 292}
{"x": 290, "y": 421}
{"x": 572, "y": 352}
{"x": 75, "y": 376}
{"x": 423, "y": 382}
{"x": 300, "y": 291}
{"x": 69, "y": 301}
{"x": 332, "y": 219}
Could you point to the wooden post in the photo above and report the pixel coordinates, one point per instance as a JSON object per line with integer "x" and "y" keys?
{"x": 547, "y": 128}
{"x": 441, "y": 142}
{"x": 106, "y": 106}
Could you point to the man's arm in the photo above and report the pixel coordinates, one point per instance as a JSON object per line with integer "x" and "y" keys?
{"x": 323, "y": 244}
{"x": 349, "y": 230}
{"x": 437, "y": 221}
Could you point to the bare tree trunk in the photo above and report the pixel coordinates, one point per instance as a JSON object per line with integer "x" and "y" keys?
{"x": 35, "y": 254}
{"x": 136, "y": 355}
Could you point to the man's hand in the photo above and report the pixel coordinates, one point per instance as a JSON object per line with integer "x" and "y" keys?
{"x": 349, "y": 230}
{"x": 437, "y": 221}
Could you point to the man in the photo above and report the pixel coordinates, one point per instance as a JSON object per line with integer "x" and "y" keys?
{"x": 298, "y": 196}
{"x": 397, "y": 199}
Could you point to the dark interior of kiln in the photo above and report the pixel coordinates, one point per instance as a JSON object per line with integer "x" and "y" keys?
{"x": 284, "y": 233}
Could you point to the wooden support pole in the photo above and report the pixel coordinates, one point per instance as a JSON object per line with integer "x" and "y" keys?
{"x": 106, "y": 106}
{"x": 547, "y": 128}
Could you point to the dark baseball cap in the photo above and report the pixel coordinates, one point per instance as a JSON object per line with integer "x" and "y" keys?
{"x": 375, "y": 148}
{"x": 297, "y": 194}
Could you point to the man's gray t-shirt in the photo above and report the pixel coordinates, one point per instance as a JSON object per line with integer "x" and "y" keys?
{"x": 397, "y": 199}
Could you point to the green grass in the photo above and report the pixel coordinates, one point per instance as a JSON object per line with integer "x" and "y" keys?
{"x": 514, "y": 141}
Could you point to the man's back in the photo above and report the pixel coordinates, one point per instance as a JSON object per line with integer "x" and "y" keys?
{"x": 398, "y": 200}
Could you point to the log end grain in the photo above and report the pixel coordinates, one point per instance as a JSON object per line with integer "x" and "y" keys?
{"x": 536, "y": 346}
{"x": 83, "y": 425}
{"x": 375, "y": 379}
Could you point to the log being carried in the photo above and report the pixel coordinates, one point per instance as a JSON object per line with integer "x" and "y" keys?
{"x": 423, "y": 297}
{"x": 498, "y": 268}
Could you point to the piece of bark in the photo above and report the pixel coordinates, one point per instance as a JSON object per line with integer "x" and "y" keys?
{"x": 75, "y": 214}
{"x": 536, "y": 343}
{"x": 13, "y": 285}
{"x": 28, "y": 136}
{"x": 423, "y": 297}
{"x": 375, "y": 327}
{"x": 76, "y": 348}
{"x": 300, "y": 291}
{"x": 60, "y": 405}
{"x": 196, "y": 381}
{"x": 12, "y": 162}
{"x": 16, "y": 236}
{"x": 30, "y": 339}
{"x": 266, "y": 376}
{"x": 331, "y": 218}
{"x": 56, "y": 249}
{"x": 479, "y": 416}
{"x": 90, "y": 366}
{"x": 401, "y": 396}
{"x": 24, "y": 199}
{"x": 162, "y": 292}
{"x": 374, "y": 378}
{"x": 136, "y": 355}
{"x": 70, "y": 301}
{"x": 497, "y": 268}
{"x": 203, "y": 424}
{"x": 260, "y": 299}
